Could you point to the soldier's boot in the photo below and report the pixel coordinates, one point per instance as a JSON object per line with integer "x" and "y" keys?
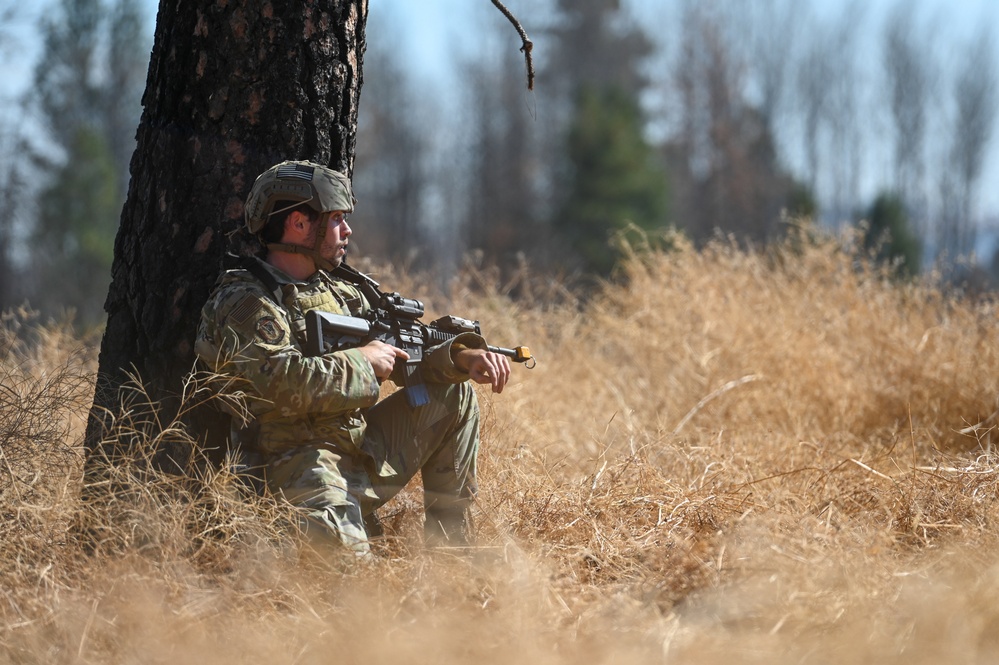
{"x": 373, "y": 526}
{"x": 336, "y": 528}
{"x": 448, "y": 518}
{"x": 448, "y": 527}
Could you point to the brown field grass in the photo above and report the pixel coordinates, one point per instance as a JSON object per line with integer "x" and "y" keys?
{"x": 751, "y": 457}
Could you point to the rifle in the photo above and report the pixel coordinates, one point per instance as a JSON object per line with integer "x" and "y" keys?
{"x": 395, "y": 320}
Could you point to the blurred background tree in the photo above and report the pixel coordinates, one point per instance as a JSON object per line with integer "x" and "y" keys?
{"x": 724, "y": 160}
{"x": 73, "y": 239}
{"x": 614, "y": 178}
{"x": 606, "y": 174}
{"x": 86, "y": 94}
{"x": 12, "y": 184}
{"x": 910, "y": 78}
{"x": 12, "y": 193}
{"x": 503, "y": 215}
{"x": 890, "y": 236}
{"x": 393, "y": 148}
{"x": 971, "y": 124}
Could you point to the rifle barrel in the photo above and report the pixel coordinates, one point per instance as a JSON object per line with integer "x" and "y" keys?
{"x": 521, "y": 354}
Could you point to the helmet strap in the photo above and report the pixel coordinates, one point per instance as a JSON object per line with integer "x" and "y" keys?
{"x": 322, "y": 263}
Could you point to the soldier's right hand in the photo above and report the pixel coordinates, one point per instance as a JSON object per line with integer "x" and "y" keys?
{"x": 382, "y": 357}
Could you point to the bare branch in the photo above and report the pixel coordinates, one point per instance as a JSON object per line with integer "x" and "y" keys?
{"x": 528, "y": 44}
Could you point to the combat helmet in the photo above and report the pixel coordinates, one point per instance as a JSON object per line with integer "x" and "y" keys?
{"x": 298, "y": 182}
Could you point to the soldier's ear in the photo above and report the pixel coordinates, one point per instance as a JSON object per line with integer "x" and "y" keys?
{"x": 296, "y": 225}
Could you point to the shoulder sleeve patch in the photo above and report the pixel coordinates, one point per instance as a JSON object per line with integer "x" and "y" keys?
{"x": 245, "y": 309}
{"x": 270, "y": 330}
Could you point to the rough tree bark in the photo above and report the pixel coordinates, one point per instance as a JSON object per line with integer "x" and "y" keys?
{"x": 233, "y": 87}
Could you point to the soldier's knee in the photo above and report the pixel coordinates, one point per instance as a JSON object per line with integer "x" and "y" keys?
{"x": 312, "y": 480}
{"x": 466, "y": 399}
{"x": 457, "y": 397}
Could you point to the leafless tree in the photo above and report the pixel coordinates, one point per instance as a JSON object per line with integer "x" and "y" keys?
{"x": 729, "y": 170}
{"x": 910, "y": 80}
{"x": 395, "y": 130}
{"x": 127, "y": 65}
{"x": 766, "y": 35}
{"x": 848, "y": 113}
{"x": 815, "y": 70}
{"x": 976, "y": 99}
{"x": 503, "y": 200}
{"x": 832, "y": 107}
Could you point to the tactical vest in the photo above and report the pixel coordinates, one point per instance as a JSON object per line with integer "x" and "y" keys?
{"x": 322, "y": 294}
{"x": 295, "y": 300}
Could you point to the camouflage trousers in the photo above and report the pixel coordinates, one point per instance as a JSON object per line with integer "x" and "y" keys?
{"x": 337, "y": 493}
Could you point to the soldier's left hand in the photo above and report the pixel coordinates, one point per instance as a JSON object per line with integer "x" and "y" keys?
{"x": 485, "y": 367}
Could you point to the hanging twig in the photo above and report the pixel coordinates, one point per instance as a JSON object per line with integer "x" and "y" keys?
{"x": 528, "y": 44}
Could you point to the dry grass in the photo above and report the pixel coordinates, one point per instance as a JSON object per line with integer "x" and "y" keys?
{"x": 740, "y": 457}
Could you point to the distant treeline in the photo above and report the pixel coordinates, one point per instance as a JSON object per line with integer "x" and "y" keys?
{"x": 718, "y": 117}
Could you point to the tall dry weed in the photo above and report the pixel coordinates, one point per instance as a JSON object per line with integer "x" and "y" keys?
{"x": 45, "y": 384}
{"x": 781, "y": 455}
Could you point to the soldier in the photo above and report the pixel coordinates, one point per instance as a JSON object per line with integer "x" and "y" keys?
{"x": 327, "y": 445}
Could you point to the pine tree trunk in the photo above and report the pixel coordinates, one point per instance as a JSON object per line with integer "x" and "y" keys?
{"x": 233, "y": 87}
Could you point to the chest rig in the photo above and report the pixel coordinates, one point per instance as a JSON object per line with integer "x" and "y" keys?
{"x": 319, "y": 293}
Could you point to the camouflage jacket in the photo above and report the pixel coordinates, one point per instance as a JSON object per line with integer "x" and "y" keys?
{"x": 295, "y": 399}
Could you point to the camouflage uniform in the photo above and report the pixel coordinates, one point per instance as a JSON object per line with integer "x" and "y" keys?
{"x": 328, "y": 448}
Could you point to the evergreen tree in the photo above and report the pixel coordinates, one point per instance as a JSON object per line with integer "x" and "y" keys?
{"x": 74, "y": 238}
{"x": 800, "y": 202}
{"x": 597, "y": 46}
{"x": 609, "y": 176}
{"x": 890, "y": 236}
{"x": 615, "y": 180}
{"x": 87, "y": 88}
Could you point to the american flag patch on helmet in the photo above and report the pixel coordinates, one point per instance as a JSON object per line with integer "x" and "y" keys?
{"x": 300, "y": 171}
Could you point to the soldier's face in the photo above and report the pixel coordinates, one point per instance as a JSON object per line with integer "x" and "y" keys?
{"x": 335, "y": 243}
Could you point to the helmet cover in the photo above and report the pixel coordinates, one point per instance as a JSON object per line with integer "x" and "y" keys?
{"x": 321, "y": 188}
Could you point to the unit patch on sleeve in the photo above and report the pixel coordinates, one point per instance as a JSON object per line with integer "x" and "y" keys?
{"x": 269, "y": 330}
